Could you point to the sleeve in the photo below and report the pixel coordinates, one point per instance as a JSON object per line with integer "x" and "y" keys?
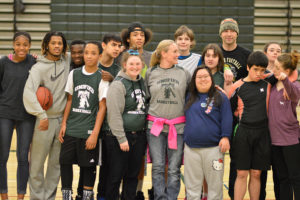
{"x": 31, "y": 103}
{"x": 292, "y": 89}
{"x": 69, "y": 86}
{"x": 102, "y": 89}
{"x": 115, "y": 107}
{"x": 199, "y": 62}
{"x": 148, "y": 95}
{"x": 233, "y": 96}
{"x": 226, "y": 117}
{"x": 1, "y": 71}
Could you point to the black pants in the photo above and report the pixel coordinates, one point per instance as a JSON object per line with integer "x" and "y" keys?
{"x": 124, "y": 165}
{"x": 89, "y": 176}
{"x": 286, "y": 160}
{"x": 232, "y": 178}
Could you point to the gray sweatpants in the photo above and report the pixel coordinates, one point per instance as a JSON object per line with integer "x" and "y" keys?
{"x": 45, "y": 144}
{"x": 200, "y": 163}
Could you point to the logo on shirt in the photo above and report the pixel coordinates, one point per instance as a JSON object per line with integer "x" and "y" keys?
{"x": 53, "y": 78}
{"x": 84, "y": 96}
{"x": 281, "y": 102}
{"x": 92, "y": 160}
{"x": 262, "y": 90}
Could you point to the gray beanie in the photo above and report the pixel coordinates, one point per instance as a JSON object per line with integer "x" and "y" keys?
{"x": 229, "y": 24}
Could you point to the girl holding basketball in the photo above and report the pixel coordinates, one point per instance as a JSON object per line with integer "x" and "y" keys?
{"x": 14, "y": 70}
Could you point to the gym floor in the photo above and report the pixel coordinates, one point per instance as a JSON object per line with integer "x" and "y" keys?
{"x": 12, "y": 165}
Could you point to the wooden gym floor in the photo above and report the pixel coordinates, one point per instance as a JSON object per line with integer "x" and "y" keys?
{"x": 12, "y": 190}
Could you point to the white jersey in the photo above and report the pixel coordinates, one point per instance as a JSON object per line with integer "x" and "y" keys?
{"x": 190, "y": 63}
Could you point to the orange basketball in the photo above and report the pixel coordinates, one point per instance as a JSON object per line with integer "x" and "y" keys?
{"x": 44, "y": 97}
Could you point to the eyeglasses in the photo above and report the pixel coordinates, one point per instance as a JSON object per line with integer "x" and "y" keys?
{"x": 133, "y": 52}
{"x": 203, "y": 77}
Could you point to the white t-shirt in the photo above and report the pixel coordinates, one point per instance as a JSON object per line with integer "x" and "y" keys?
{"x": 102, "y": 89}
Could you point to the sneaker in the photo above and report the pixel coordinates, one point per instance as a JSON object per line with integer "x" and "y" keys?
{"x": 151, "y": 194}
{"x": 139, "y": 196}
{"x": 78, "y": 197}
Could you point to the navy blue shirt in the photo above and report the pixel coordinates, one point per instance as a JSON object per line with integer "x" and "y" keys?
{"x": 206, "y": 124}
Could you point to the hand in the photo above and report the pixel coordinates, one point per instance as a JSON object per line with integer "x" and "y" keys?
{"x": 224, "y": 144}
{"x": 280, "y": 76}
{"x": 228, "y": 76}
{"x": 62, "y": 133}
{"x": 44, "y": 123}
{"x": 124, "y": 146}
{"x": 106, "y": 76}
{"x": 91, "y": 142}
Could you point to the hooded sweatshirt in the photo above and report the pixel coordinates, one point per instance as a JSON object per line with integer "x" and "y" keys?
{"x": 126, "y": 109}
{"x": 52, "y": 75}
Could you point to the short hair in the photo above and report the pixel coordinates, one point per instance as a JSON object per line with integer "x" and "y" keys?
{"x": 76, "y": 42}
{"x": 22, "y": 33}
{"x": 257, "y": 58}
{"x": 217, "y": 50}
{"x": 95, "y": 43}
{"x": 268, "y": 44}
{"x": 125, "y": 33}
{"x": 47, "y": 38}
{"x": 111, "y": 37}
{"x": 185, "y": 30}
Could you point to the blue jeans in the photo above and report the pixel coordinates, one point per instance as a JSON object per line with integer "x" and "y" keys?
{"x": 159, "y": 153}
{"x": 24, "y": 130}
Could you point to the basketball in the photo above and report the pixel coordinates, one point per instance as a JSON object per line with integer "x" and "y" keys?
{"x": 44, "y": 97}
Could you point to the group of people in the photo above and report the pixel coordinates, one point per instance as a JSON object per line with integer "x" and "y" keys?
{"x": 117, "y": 105}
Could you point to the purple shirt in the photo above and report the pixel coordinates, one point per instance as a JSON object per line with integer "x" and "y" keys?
{"x": 283, "y": 123}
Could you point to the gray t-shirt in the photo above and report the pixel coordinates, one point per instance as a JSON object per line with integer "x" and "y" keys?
{"x": 167, "y": 89}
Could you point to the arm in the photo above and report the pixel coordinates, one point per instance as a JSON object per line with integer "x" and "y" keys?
{"x": 31, "y": 103}
{"x": 91, "y": 142}
{"x": 65, "y": 118}
{"x": 106, "y": 76}
{"x": 226, "y": 124}
{"x": 115, "y": 107}
{"x": 228, "y": 75}
{"x": 292, "y": 90}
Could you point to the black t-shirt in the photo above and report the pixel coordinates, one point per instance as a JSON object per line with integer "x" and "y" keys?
{"x": 13, "y": 77}
{"x": 113, "y": 69}
{"x": 237, "y": 61}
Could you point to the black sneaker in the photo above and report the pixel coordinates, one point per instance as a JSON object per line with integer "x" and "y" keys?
{"x": 78, "y": 197}
{"x": 151, "y": 194}
{"x": 139, "y": 196}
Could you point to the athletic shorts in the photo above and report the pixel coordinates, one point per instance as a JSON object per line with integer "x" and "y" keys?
{"x": 73, "y": 152}
{"x": 251, "y": 148}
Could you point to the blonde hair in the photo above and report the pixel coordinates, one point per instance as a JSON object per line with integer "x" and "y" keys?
{"x": 189, "y": 32}
{"x": 156, "y": 55}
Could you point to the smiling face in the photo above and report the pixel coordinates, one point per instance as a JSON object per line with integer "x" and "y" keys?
{"x": 55, "y": 46}
{"x": 184, "y": 43}
{"x": 77, "y": 54}
{"x": 136, "y": 39}
{"x": 203, "y": 81}
{"x": 273, "y": 51}
{"x": 21, "y": 47}
{"x": 171, "y": 55}
{"x": 229, "y": 37}
{"x": 91, "y": 55}
{"x": 211, "y": 60}
{"x": 133, "y": 66}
